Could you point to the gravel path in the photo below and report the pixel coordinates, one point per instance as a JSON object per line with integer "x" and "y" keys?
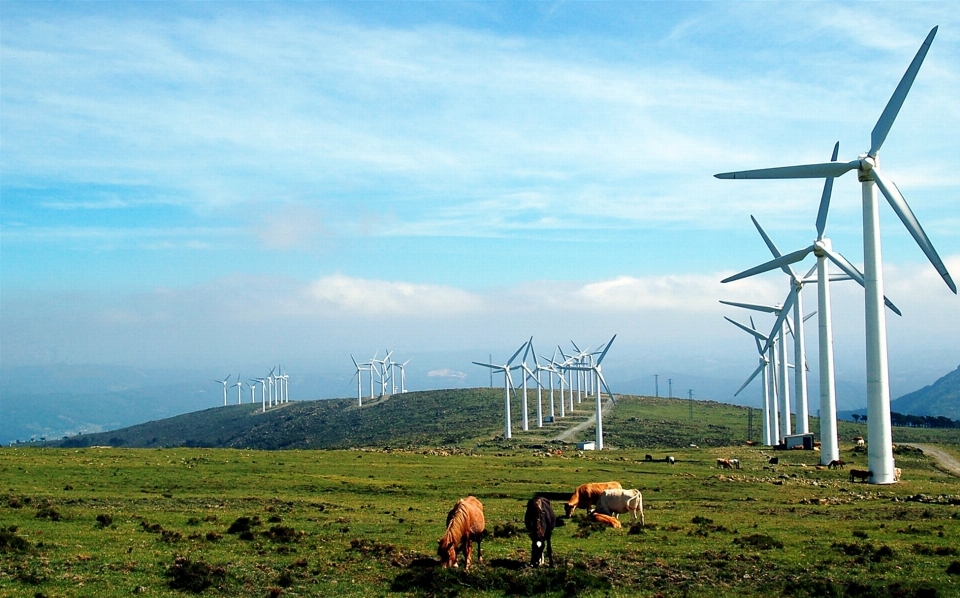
{"x": 945, "y": 461}
{"x": 589, "y": 423}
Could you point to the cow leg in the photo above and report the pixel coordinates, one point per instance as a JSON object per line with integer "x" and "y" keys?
{"x": 468, "y": 552}
{"x": 550, "y": 551}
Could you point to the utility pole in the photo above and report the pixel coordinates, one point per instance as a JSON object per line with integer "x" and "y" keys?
{"x": 670, "y": 387}
{"x": 491, "y": 371}
{"x": 656, "y": 382}
{"x": 749, "y": 423}
{"x": 690, "y": 396}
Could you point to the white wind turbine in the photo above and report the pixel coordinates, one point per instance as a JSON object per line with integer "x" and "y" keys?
{"x": 594, "y": 367}
{"x": 359, "y": 377}
{"x": 823, "y": 251}
{"x": 263, "y": 391}
{"x": 224, "y": 383}
{"x": 239, "y": 386}
{"x": 403, "y": 377}
{"x": 767, "y": 380}
{"x": 880, "y": 447}
{"x": 780, "y": 363}
{"x": 507, "y": 385}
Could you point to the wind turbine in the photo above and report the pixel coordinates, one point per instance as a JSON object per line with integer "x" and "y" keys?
{"x": 224, "y": 382}
{"x": 779, "y": 359}
{"x": 528, "y": 373}
{"x": 239, "y": 386}
{"x": 823, "y": 250}
{"x": 403, "y": 376}
{"x": 762, "y": 368}
{"x": 263, "y": 391}
{"x": 359, "y": 375}
{"x": 507, "y": 385}
{"x": 880, "y": 447}
{"x": 591, "y": 366}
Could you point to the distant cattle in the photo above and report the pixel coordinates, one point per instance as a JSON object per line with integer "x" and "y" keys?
{"x": 735, "y": 463}
{"x": 860, "y": 474}
{"x": 774, "y": 461}
{"x": 607, "y": 519}
{"x": 859, "y": 441}
{"x": 751, "y": 443}
{"x": 724, "y": 464}
{"x": 465, "y": 524}
{"x": 836, "y": 464}
{"x": 897, "y": 472}
{"x": 670, "y": 460}
{"x": 616, "y": 501}
{"x": 586, "y": 495}
{"x": 648, "y": 458}
{"x": 540, "y": 521}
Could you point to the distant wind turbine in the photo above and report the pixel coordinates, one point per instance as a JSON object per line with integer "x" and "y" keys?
{"x": 224, "y": 383}
{"x": 507, "y": 385}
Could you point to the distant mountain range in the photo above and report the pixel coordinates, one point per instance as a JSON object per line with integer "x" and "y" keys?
{"x": 940, "y": 398}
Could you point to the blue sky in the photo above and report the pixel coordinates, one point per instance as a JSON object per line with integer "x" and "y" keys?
{"x": 228, "y": 184}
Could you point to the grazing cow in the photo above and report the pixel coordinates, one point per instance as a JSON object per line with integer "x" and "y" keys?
{"x": 465, "y": 524}
{"x": 724, "y": 464}
{"x": 735, "y": 463}
{"x": 540, "y": 522}
{"x": 860, "y": 474}
{"x": 601, "y": 518}
{"x": 859, "y": 440}
{"x": 774, "y": 461}
{"x": 586, "y": 495}
{"x": 751, "y": 443}
{"x": 897, "y": 472}
{"x": 670, "y": 460}
{"x": 648, "y": 458}
{"x": 616, "y": 501}
{"x": 836, "y": 464}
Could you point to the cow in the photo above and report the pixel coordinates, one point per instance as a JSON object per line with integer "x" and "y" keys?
{"x": 540, "y": 522}
{"x": 607, "y": 519}
{"x": 860, "y": 474}
{"x": 586, "y": 495}
{"x": 897, "y": 472}
{"x": 836, "y": 464}
{"x": 735, "y": 463}
{"x": 724, "y": 464}
{"x": 859, "y": 440}
{"x": 774, "y": 461}
{"x": 648, "y": 458}
{"x": 616, "y": 501}
{"x": 669, "y": 459}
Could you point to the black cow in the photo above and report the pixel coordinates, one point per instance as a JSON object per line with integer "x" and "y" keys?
{"x": 540, "y": 522}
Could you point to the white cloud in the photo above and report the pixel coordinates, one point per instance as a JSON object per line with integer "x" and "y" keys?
{"x": 366, "y": 298}
{"x": 447, "y": 373}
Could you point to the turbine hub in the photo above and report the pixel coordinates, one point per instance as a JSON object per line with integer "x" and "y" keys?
{"x": 867, "y": 164}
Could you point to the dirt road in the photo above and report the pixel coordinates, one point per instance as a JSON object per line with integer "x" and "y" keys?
{"x": 590, "y": 423}
{"x": 945, "y": 461}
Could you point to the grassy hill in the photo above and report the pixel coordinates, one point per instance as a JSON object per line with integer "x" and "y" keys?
{"x": 459, "y": 417}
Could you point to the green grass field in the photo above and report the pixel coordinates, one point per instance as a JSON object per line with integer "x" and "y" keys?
{"x": 115, "y": 522}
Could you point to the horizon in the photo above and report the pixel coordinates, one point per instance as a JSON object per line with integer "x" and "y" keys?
{"x": 213, "y": 187}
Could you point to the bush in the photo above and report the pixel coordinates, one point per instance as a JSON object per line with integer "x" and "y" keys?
{"x": 243, "y": 524}
{"x": 193, "y": 576}
{"x": 11, "y": 542}
{"x": 759, "y": 541}
{"x": 104, "y": 520}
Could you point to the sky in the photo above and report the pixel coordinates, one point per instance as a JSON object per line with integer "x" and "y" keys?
{"x": 226, "y": 185}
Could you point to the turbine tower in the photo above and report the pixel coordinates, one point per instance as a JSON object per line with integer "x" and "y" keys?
{"x": 224, "y": 383}
{"x": 879, "y": 434}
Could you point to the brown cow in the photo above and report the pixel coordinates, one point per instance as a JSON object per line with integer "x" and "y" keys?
{"x": 601, "y": 518}
{"x": 724, "y": 464}
{"x": 836, "y": 464}
{"x": 586, "y": 495}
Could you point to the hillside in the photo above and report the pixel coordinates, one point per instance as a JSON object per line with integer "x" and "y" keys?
{"x": 461, "y": 417}
{"x": 940, "y": 398}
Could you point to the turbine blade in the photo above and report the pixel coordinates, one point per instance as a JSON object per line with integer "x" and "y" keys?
{"x": 766, "y": 239}
{"x": 607, "y": 348}
{"x": 766, "y": 308}
{"x": 522, "y": 347}
{"x": 754, "y": 333}
{"x": 825, "y": 198}
{"x": 780, "y": 262}
{"x": 750, "y": 379}
{"x": 805, "y": 171}
{"x": 784, "y": 311}
{"x": 605, "y": 387}
{"x": 809, "y": 315}
{"x": 759, "y": 346}
{"x": 879, "y": 133}
{"x": 899, "y": 205}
